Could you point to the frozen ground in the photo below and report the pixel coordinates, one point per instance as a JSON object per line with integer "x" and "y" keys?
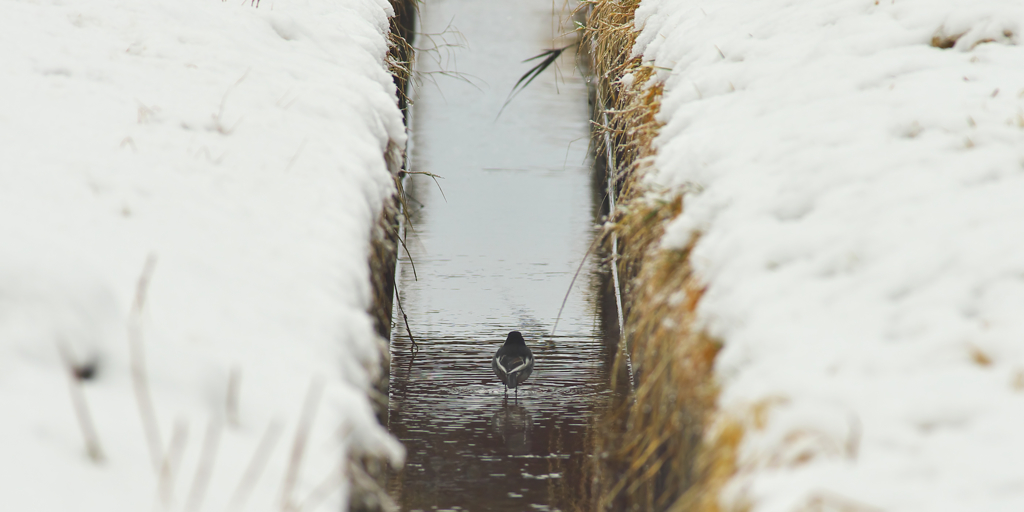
{"x": 859, "y": 194}
{"x": 242, "y": 148}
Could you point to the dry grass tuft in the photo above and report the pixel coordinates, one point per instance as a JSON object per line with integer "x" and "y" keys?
{"x": 979, "y": 357}
{"x": 1017, "y": 382}
{"x": 944, "y": 41}
{"x": 400, "y": 50}
{"x": 668, "y": 449}
{"x": 663, "y": 460}
{"x": 609, "y": 37}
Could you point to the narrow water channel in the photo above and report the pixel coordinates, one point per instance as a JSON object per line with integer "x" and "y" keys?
{"x": 495, "y": 252}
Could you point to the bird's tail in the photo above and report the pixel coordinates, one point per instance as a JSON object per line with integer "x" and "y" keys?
{"x": 520, "y": 365}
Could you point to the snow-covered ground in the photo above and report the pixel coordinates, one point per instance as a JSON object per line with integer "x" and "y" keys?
{"x": 242, "y": 148}
{"x": 860, "y": 198}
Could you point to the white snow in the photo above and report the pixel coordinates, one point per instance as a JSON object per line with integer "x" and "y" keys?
{"x": 243, "y": 148}
{"x": 859, "y": 196}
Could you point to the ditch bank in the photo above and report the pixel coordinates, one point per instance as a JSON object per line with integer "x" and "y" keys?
{"x": 667, "y": 449}
{"x": 368, "y": 475}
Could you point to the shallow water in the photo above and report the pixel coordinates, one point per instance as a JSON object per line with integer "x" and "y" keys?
{"x": 496, "y": 252}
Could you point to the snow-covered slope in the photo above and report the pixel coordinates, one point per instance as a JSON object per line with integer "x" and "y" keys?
{"x": 859, "y": 191}
{"x": 241, "y": 147}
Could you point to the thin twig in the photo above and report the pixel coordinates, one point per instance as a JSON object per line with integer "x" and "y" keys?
{"x": 408, "y": 370}
{"x": 218, "y": 118}
{"x": 92, "y": 439}
{"x": 409, "y": 254}
{"x": 308, "y": 415}
{"x": 612, "y": 176}
{"x": 172, "y": 461}
{"x": 256, "y": 465}
{"x": 408, "y": 221}
{"x": 571, "y": 283}
{"x": 296, "y": 155}
{"x": 140, "y": 383}
{"x": 401, "y": 310}
{"x": 565, "y": 162}
{"x": 403, "y": 197}
{"x": 434, "y": 177}
{"x": 449, "y": 57}
{"x": 205, "y": 469}
{"x": 231, "y": 398}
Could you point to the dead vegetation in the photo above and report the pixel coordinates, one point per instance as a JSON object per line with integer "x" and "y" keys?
{"x": 944, "y": 41}
{"x": 368, "y": 475}
{"x": 665, "y": 449}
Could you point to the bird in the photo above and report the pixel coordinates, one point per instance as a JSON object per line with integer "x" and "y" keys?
{"x": 513, "y": 362}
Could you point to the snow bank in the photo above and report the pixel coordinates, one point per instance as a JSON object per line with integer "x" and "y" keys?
{"x": 243, "y": 148}
{"x": 859, "y": 191}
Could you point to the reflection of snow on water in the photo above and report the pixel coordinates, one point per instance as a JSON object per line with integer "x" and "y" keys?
{"x": 542, "y": 477}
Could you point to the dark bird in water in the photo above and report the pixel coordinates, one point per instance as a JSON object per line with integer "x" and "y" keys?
{"x": 513, "y": 362}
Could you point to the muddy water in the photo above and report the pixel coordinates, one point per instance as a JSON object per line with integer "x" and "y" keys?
{"x": 495, "y": 252}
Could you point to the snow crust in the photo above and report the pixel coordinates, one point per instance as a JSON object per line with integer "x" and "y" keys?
{"x": 243, "y": 148}
{"x": 858, "y": 197}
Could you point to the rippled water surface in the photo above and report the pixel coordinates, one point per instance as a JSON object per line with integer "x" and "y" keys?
{"x": 496, "y": 252}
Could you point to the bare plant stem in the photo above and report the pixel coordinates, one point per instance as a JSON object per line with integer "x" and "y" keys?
{"x": 218, "y": 118}
{"x": 403, "y": 199}
{"x": 612, "y": 175}
{"x": 231, "y": 399}
{"x": 302, "y": 431}
{"x": 140, "y": 383}
{"x": 256, "y": 465}
{"x": 206, "y": 459}
{"x": 411, "y": 262}
{"x": 593, "y": 244}
{"x": 406, "y": 224}
{"x": 172, "y": 461}
{"x": 434, "y": 177}
{"x": 85, "y": 423}
{"x": 401, "y": 310}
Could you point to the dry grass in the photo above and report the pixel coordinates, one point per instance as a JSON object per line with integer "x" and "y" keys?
{"x": 608, "y": 36}
{"x": 944, "y": 41}
{"x": 400, "y": 51}
{"x": 663, "y": 459}
{"x": 77, "y": 373}
{"x": 140, "y": 380}
{"x": 667, "y": 449}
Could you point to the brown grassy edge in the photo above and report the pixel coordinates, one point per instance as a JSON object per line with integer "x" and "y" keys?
{"x": 368, "y": 475}
{"x": 668, "y": 449}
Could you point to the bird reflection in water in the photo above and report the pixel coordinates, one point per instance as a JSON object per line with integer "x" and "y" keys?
{"x": 513, "y": 424}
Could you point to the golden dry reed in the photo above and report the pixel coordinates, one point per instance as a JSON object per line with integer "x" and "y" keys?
{"x": 666, "y": 448}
